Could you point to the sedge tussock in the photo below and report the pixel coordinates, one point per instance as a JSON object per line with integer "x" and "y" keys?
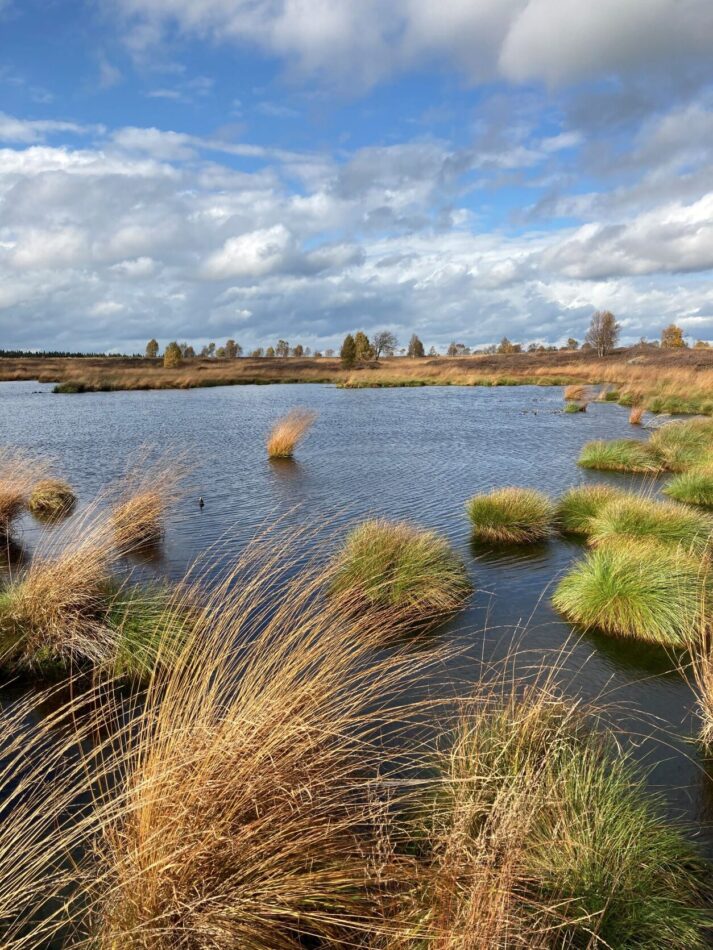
{"x": 575, "y": 392}
{"x": 288, "y": 432}
{"x": 694, "y": 487}
{"x": 636, "y": 589}
{"x": 540, "y": 835}
{"x": 18, "y": 474}
{"x": 679, "y": 445}
{"x": 578, "y": 506}
{"x": 149, "y": 490}
{"x": 394, "y": 567}
{"x": 635, "y": 517}
{"x": 257, "y": 804}
{"x": 51, "y": 498}
{"x": 620, "y": 455}
{"x": 636, "y": 415}
{"x": 511, "y": 516}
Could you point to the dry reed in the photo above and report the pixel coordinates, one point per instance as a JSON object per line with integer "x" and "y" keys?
{"x": 636, "y": 415}
{"x": 288, "y": 432}
{"x": 149, "y": 488}
{"x": 18, "y": 474}
{"x": 51, "y": 498}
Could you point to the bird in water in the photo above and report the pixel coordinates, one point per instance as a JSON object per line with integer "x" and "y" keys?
{"x": 201, "y": 503}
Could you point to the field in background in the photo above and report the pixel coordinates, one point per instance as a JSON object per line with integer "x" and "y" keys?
{"x": 658, "y": 379}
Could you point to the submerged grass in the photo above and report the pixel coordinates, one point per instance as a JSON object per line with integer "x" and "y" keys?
{"x": 636, "y": 589}
{"x": 637, "y": 518}
{"x": 541, "y": 836}
{"x": 51, "y": 498}
{"x": 411, "y": 574}
{"x": 578, "y": 506}
{"x": 288, "y": 432}
{"x": 511, "y": 516}
{"x": 619, "y": 455}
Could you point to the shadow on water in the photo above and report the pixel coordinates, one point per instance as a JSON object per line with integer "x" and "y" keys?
{"x": 523, "y": 555}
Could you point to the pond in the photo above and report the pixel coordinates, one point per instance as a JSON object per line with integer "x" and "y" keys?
{"x": 415, "y": 454}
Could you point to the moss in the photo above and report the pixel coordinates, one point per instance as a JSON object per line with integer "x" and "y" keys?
{"x": 619, "y": 455}
{"x": 411, "y": 574}
{"x": 581, "y": 504}
{"x": 511, "y": 516}
{"x": 635, "y": 589}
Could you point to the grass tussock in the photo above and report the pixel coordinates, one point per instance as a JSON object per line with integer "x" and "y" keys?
{"x": 541, "y": 836}
{"x": 620, "y": 455}
{"x": 139, "y": 513}
{"x": 636, "y": 415}
{"x": 511, "y": 516}
{"x": 257, "y": 806}
{"x": 636, "y": 589}
{"x": 581, "y": 504}
{"x": 51, "y": 498}
{"x": 679, "y": 445}
{"x": 408, "y": 573}
{"x": 575, "y": 392}
{"x": 694, "y": 487}
{"x": 18, "y": 474}
{"x": 572, "y": 407}
{"x": 632, "y": 517}
{"x": 288, "y": 432}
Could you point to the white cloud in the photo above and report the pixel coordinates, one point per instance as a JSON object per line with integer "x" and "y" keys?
{"x": 249, "y": 255}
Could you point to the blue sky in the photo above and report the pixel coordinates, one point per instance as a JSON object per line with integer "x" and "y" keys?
{"x": 301, "y": 168}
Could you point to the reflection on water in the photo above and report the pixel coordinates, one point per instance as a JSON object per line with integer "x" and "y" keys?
{"x": 416, "y": 454}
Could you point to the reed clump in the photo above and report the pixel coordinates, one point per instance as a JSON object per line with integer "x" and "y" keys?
{"x": 581, "y": 504}
{"x": 636, "y": 415}
{"x": 511, "y": 516}
{"x": 680, "y": 445}
{"x": 693, "y": 487}
{"x": 139, "y": 513}
{"x": 17, "y": 476}
{"x": 572, "y": 407}
{"x": 620, "y": 455}
{"x": 575, "y": 392}
{"x": 288, "y": 432}
{"x": 51, "y": 498}
{"x": 412, "y": 575}
{"x": 632, "y": 517}
{"x": 541, "y": 835}
{"x": 636, "y": 589}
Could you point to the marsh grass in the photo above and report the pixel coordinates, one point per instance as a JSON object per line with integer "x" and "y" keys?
{"x": 18, "y": 474}
{"x": 578, "y": 506}
{"x": 679, "y": 445}
{"x": 636, "y": 589}
{"x": 636, "y": 415}
{"x": 149, "y": 489}
{"x": 620, "y": 455}
{"x": 288, "y": 432}
{"x": 637, "y": 518}
{"x": 257, "y": 806}
{"x": 51, "y": 498}
{"x": 694, "y": 487}
{"x": 511, "y": 516}
{"x": 541, "y": 835}
{"x": 411, "y": 575}
{"x": 572, "y": 407}
{"x": 575, "y": 392}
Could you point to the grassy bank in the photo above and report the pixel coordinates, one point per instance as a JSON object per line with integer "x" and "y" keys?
{"x": 647, "y": 377}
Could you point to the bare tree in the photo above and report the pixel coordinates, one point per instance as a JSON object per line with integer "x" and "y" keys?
{"x": 384, "y": 344}
{"x": 603, "y": 332}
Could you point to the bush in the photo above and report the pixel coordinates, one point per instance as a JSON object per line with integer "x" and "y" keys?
{"x": 579, "y": 505}
{"x": 636, "y": 589}
{"x": 412, "y": 575}
{"x": 511, "y": 516}
{"x": 619, "y": 455}
{"x": 633, "y": 517}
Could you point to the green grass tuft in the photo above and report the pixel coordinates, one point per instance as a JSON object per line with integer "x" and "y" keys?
{"x": 572, "y": 407}
{"x": 579, "y": 505}
{"x": 636, "y": 518}
{"x": 619, "y": 455}
{"x": 511, "y": 516}
{"x": 395, "y": 567}
{"x": 679, "y": 445}
{"x": 637, "y": 589}
{"x": 51, "y": 498}
{"x": 694, "y": 487}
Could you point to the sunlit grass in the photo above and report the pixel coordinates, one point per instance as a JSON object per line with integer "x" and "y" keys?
{"x": 637, "y": 518}
{"x": 694, "y": 487}
{"x": 288, "y": 432}
{"x": 511, "y": 516}
{"x": 619, "y": 455}
{"x": 679, "y": 445}
{"x": 578, "y": 506}
{"x": 51, "y": 498}
{"x": 18, "y": 474}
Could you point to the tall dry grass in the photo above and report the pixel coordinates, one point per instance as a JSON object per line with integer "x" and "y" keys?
{"x": 18, "y": 474}
{"x": 636, "y": 415}
{"x": 148, "y": 490}
{"x": 288, "y": 432}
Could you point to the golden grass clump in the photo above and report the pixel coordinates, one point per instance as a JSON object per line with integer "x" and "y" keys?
{"x": 700, "y": 649}
{"x": 138, "y": 515}
{"x": 511, "y": 516}
{"x": 51, "y": 498}
{"x": 636, "y": 415}
{"x": 575, "y": 392}
{"x": 411, "y": 575}
{"x": 257, "y": 810}
{"x": 288, "y": 432}
{"x": 541, "y": 835}
{"x": 17, "y": 476}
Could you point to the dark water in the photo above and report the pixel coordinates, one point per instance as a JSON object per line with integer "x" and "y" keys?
{"x": 417, "y": 454}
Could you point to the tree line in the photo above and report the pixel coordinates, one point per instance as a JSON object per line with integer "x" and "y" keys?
{"x": 601, "y": 338}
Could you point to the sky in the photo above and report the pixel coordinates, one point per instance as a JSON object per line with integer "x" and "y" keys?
{"x": 257, "y": 169}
